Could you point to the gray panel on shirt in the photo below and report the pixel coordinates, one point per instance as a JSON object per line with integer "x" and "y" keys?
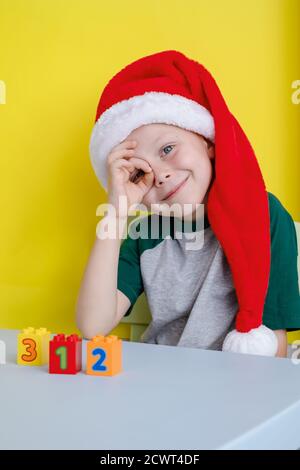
{"x": 190, "y": 293}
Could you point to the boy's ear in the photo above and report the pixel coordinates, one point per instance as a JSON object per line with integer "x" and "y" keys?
{"x": 210, "y": 149}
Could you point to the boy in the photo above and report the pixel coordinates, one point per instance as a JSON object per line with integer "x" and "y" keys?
{"x": 230, "y": 295}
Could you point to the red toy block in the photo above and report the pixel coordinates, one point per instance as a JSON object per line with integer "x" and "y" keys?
{"x": 65, "y": 354}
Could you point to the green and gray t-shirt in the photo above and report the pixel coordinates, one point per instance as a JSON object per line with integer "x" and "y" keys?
{"x": 188, "y": 283}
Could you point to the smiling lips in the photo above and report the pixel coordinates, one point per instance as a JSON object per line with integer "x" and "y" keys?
{"x": 175, "y": 190}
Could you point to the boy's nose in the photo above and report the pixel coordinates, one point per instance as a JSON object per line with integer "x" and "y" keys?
{"x": 160, "y": 176}
{"x": 159, "y": 181}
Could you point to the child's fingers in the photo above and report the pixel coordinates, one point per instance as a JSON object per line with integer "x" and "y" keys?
{"x": 117, "y": 154}
{"x": 126, "y": 144}
{"x": 120, "y": 162}
{"x": 134, "y": 165}
{"x": 141, "y": 164}
{"x": 145, "y": 183}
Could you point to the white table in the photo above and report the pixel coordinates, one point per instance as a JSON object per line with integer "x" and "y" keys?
{"x": 165, "y": 398}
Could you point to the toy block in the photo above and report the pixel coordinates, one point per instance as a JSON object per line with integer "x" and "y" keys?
{"x": 104, "y": 355}
{"x": 2, "y": 353}
{"x": 65, "y": 354}
{"x": 33, "y": 346}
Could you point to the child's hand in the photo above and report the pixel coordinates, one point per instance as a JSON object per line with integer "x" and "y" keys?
{"x": 127, "y": 175}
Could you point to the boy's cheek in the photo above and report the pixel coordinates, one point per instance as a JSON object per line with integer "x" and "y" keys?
{"x": 183, "y": 161}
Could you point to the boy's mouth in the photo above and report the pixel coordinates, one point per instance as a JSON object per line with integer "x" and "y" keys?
{"x": 175, "y": 190}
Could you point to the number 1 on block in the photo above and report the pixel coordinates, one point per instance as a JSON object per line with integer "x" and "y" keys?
{"x": 65, "y": 354}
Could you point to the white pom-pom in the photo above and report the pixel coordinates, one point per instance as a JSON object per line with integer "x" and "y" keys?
{"x": 261, "y": 340}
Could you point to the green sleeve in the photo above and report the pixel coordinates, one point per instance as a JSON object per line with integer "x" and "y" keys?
{"x": 282, "y": 304}
{"x": 130, "y": 280}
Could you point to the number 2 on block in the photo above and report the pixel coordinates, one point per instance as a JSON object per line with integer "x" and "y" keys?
{"x": 98, "y": 366}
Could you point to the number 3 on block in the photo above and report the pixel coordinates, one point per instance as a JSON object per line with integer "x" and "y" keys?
{"x": 104, "y": 355}
{"x": 33, "y": 346}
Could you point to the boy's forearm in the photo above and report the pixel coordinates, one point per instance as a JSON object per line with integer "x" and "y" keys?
{"x": 282, "y": 343}
{"x": 96, "y": 306}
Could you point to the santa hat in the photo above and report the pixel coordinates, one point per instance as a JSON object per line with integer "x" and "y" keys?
{"x": 168, "y": 87}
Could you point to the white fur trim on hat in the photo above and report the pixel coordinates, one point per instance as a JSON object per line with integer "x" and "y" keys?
{"x": 118, "y": 121}
{"x": 261, "y": 340}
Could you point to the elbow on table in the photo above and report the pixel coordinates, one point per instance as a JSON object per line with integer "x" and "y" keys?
{"x": 88, "y": 330}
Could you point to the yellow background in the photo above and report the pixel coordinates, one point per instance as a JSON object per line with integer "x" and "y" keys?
{"x": 56, "y": 57}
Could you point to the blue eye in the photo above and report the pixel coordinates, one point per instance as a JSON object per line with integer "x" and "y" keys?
{"x": 167, "y": 147}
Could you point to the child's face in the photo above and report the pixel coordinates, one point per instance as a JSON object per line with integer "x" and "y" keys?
{"x": 175, "y": 155}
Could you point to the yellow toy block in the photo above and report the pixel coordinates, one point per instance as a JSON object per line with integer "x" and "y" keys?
{"x": 33, "y": 347}
{"x": 104, "y": 355}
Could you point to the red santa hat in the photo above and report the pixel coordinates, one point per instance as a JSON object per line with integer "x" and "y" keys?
{"x": 168, "y": 87}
